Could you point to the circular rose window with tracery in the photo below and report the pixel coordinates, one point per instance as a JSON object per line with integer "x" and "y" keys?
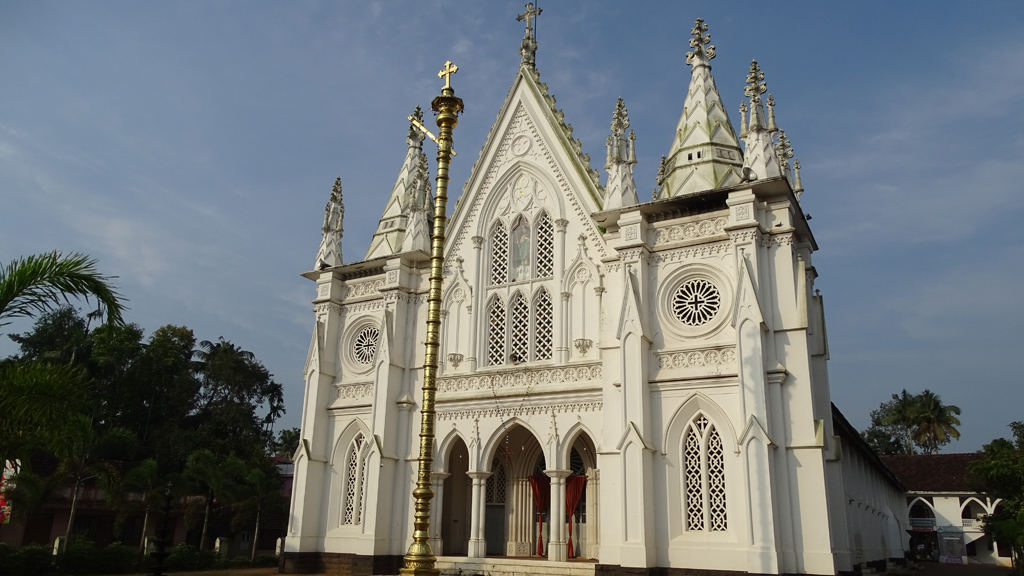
{"x": 696, "y": 302}
{"x": 365, "y": 345}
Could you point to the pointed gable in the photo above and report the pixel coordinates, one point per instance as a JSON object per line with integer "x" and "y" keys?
{"x": 531, "y": 138}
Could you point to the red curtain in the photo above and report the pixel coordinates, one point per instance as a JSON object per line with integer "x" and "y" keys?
{"x": 574, "y": 486}
{"x": 541, "y": 485}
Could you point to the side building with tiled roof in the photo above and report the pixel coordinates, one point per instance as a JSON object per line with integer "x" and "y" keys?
{"x": 943, "y": 508}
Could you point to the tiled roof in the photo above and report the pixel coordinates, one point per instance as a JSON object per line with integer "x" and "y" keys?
{"x": 933, "y": 472}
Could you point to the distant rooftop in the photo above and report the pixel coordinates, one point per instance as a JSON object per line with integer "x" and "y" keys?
{"x": 933, "y": 472}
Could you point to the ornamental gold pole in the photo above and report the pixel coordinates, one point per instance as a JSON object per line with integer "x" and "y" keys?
{"x": 419, "y": 560}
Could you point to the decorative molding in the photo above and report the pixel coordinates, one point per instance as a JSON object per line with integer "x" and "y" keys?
{"x": 520, "y": 378}
{"x": 370, "y": 288}
{"x": 742, "y": 236}
{"x": 360, "y": 306}
{"x": 691, "y": 230}
{"x": 348, "y": 391}
{"x": 702, "y": 251}
{"x": 785, "y": 239}
{"x": 720, "y": 356}
{"x": 503, "y": 413}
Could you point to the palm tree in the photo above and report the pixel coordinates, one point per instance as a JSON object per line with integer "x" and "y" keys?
{"x": 35, "y": 401}
{"x": 904, "y": 414}
{"x": 259, "y": 494}
{"x": 83, "y": 456}
{"x": 40, "y": 283}
{"x": 212, "y": 477}
{"x": 145, "y": 480}
{"x": 935, "y": 423}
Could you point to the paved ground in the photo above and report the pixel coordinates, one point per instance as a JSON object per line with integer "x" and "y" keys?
{"x": 936, "y": 569}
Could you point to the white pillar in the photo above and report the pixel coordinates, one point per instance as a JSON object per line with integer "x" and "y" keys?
{"x": 558, "y": 550}
{"x": 436, "y": 544}
{"x": 474, "y": 313}
{"x": 477, "y": 538}
{"x": 561, "y": 344}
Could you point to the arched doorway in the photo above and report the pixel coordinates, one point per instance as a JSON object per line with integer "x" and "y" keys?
{"x": 456, "y": 502}
{"x": 510, "y": 525}
{"x": 582, "y": 495}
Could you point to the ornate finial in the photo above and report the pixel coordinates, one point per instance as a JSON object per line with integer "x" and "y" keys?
{"x": 771, "y": 114}
{"x": 620, "y": 120}
{"x": 632, "y": 150}
{"x": 661, "y": 172}
{"x": 445, "y": 73}
{"x": 415, "y": 136}
{"x": 528, "y": 49}
{"x": 755, "y": 83}
{"x": 743, "y": 118}
{"x": 703, "y": 52}
{"x": 798, "y": 187}
{"x": 784, "y": 151}
{"x": 334, "y": 212}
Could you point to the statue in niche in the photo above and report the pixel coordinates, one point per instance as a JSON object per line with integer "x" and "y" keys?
{"x": 520, "y": 251}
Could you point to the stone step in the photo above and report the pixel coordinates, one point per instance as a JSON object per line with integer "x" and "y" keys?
{"x": 459, "y": 566}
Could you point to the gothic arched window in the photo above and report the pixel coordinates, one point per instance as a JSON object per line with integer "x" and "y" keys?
{"x": 544, "y": 318}
{"x": 354, "y": 480}
{"x": 499, "y": 254}
{"x": 545, "y": 246}
{"x": 519, "y": 251}
{"x": 496, "y": 333}
{"x": 704, "y": 476}
{"x": 519, "y": 329}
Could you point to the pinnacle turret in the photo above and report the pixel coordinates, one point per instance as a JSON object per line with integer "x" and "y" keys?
{"x": 410, "y": 193}
{"x": 759, "y": 154}
{"x": 620, "y": 190}
{"x": 705, "y": 152}
{"x": 329, "y": 254}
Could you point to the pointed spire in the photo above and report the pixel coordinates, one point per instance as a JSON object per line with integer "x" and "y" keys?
{"x": 784, "y": 150}
{"x": 772, "y": 127}
{"x": 329, "y": 254}
{"x": 743, "y": 118}
{"x": 759, "y": 154}
{"x": 798, "y": 187}
{"x": 620, "y": 190}
{"x": 411, "y": 193}
{"x": 528, "y": 49}
{"x": 705, "y": 152}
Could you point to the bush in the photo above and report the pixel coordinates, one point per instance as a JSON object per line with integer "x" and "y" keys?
{"x": 117, "y": 559}
{"x": 10, "y": 560}
{"x": 208, "y": 559}
{"x": 183, "y": 557}
{"x": 239, "y": 562}
{"x": 79, "y": 557}
{"x": 34, "y": 559}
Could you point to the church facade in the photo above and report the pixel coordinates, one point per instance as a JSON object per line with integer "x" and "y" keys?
{"x": 639, "y": 384}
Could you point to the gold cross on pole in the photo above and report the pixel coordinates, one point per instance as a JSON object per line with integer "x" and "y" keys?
{"x": 447, "y": 72}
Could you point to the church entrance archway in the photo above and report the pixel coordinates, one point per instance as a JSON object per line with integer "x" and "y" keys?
{"x": 456, "y": 503}
{"x": 581, "y": 497}
{"x": 513, "y": 526}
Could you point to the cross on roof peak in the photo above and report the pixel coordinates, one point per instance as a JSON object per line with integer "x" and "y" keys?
{"x": 447, "y": 72}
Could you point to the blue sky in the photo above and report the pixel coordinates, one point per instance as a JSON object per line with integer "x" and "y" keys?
{"x": 191, "y": 146}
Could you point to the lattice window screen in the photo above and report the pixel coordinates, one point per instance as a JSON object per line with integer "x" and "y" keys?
{"x": 716, "y": 482}
{"x": 496, "y": 333}
{"x": 545, "y": 325}
{"x": 519, "y": 340}
{"x": 499, "y": 485}
{"x": 545, "y": 247}
{"x": 352, "y": 477}
{"x": 499, "y": 255}
{"x": 692, "y": 474}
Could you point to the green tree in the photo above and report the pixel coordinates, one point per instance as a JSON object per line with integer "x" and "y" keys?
{"x": 287, "y": 443}
{"x": 257, "y": 495}
{"x": 145, "y": 482}
{"x": 1000, "y": 474}
{"x": 936, "y": 422}
{"x": 85, "y": 454}
{"x": 887, "y": 438}
{"x": 211, "y": 477}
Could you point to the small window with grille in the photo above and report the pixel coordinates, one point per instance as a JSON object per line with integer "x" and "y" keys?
{"x": 704, "y": 477}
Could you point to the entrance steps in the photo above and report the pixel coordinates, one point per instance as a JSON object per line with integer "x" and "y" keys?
{"x": 511, "y": 566}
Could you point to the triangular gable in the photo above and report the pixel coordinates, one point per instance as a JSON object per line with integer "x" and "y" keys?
{"x": 529, "y": 109}
{"x": 630, "y": 318}
{"x": 754, "y": 428}
{"x": 632, "y": 434}
{"x": 747, "y": 303}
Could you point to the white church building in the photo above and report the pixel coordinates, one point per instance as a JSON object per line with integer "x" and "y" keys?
{"x": 627, "y": 387}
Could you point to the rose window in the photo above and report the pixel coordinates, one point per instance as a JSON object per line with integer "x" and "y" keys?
{"x": 696, "y": 302}
{"x": 365, "y": 345}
